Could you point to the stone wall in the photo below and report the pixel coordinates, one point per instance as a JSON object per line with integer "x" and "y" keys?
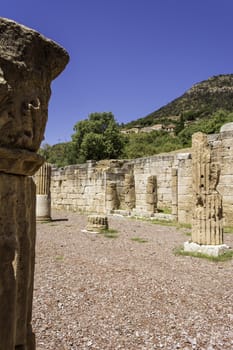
{"x": 184, "y": 187}
{"x": 122, "y": 186}
{"x": 83, "y": 187}
{"x": 222, "y": 147}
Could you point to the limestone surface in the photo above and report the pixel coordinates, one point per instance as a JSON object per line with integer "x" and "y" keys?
{"x": 211, "y": 250}
{"x": 28, "y": 64}
{"x": 97, "y": 223}
{"x": 42, "y": 180}
{"x": 227, "y": 127}
{"x": 207, "y": 223}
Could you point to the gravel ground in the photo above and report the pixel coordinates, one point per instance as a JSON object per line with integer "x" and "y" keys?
{"x": 95, "y": 292}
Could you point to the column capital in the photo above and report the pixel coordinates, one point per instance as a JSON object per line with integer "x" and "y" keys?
{"x": 19, "y": 161}
{"x": 28, "y": 64}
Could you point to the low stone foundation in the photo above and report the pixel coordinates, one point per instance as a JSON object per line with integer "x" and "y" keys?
{"x": 211, "y": 250}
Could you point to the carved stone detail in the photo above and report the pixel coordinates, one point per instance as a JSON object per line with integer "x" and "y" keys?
{"x": 28, "y": 64}
{"x": 97, "y": 223}
{"x": 20, "y": 162}
{"x": 207, "y": 226}
{"x": 17, "y": 247}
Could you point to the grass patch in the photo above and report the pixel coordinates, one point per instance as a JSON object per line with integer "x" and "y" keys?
{"x": 165, "y": 210}
{"x": 228, "y": 229}
{"x": 109, "y": 233}
{"x": 59, "y": 258}
{"x": 183, "y": 225}
{"x": 139, "y": 240}
{"x": 163, "y": 222}
{"x": 49, "y": 222}
{"x": 187, "y": 233}
{"x": 223, "y": 257}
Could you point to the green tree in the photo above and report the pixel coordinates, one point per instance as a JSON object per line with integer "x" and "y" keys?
{"x": 61, "y": 154}
{"x": 97, "y": 137}
{"x": 179, "y": 125}
{"x": 209, "y": 125}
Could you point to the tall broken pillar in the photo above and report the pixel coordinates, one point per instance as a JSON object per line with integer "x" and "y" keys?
{"x": 111, "y": 197}
{"x": 129, "y": 191}
{"x": 174, "y": 188}
{"x": 42, "y": 180}
{"x": 207, "y": 216}
{"x": 151, "y": 194}
{"x": 28, "y": 64}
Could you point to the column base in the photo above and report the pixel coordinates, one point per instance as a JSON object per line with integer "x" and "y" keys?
{"x": 211, "y": 250}
{"x": 43, "y": 207}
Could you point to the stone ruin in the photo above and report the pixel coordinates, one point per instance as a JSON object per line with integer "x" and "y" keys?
{"x": 207, "y": 223}
{"x": 97, "y": 223}
{"x": 123, "y": 187}
{"x": 111, "y": 197}
{"x": 151, "y": 194}
{"x": 28, "y": 64}
{"x": 129, "y": 191}
{"x": 185, "y": 186}
{"x": 42, "y": 179}
{"x": 207, "y": 213}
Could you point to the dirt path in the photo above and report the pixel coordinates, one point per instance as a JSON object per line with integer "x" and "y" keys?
{"x": 94, "y": 292}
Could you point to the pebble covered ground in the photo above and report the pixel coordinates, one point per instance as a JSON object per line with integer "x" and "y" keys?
{"x": 129, "y": 292}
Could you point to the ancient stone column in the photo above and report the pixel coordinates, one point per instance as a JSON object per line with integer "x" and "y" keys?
{"x": 174, "y": 189}
{"x": 207, "y": 226}
{"x": 111, "y": 197}
{"x": 129, "y": 191}
{"x": 207, "y": 213}
{"x": 151, "y": 194}
{"x": 28, "y": 64}
{"x": 42, "y": 180}
{"x": 96, "y": 223}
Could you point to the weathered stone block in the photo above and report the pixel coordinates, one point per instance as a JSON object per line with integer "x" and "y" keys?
{"x": 97, "y": 223}
{"x": 28, "y": 64}
{"x": 207, "y": 223}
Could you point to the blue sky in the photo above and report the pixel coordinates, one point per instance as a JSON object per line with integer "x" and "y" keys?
{"x": 129, "y": 57}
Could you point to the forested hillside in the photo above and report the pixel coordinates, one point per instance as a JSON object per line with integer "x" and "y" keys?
{"x": 201, "y": 101}
{"x": 205, "y": 107}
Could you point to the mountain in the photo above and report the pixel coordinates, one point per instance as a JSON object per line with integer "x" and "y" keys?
{"x": 202, "y": 100}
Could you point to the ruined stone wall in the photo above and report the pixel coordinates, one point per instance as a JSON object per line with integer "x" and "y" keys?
{"x": 83, "y": 187}
{"x": 184, "y": 187}
{"x": 222, "y": 151}
{"x": 159, "y": 166}
{"x": 78, "y": 188}
{"x": 90, "y": 187}
{"x": 108, "y": 186}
